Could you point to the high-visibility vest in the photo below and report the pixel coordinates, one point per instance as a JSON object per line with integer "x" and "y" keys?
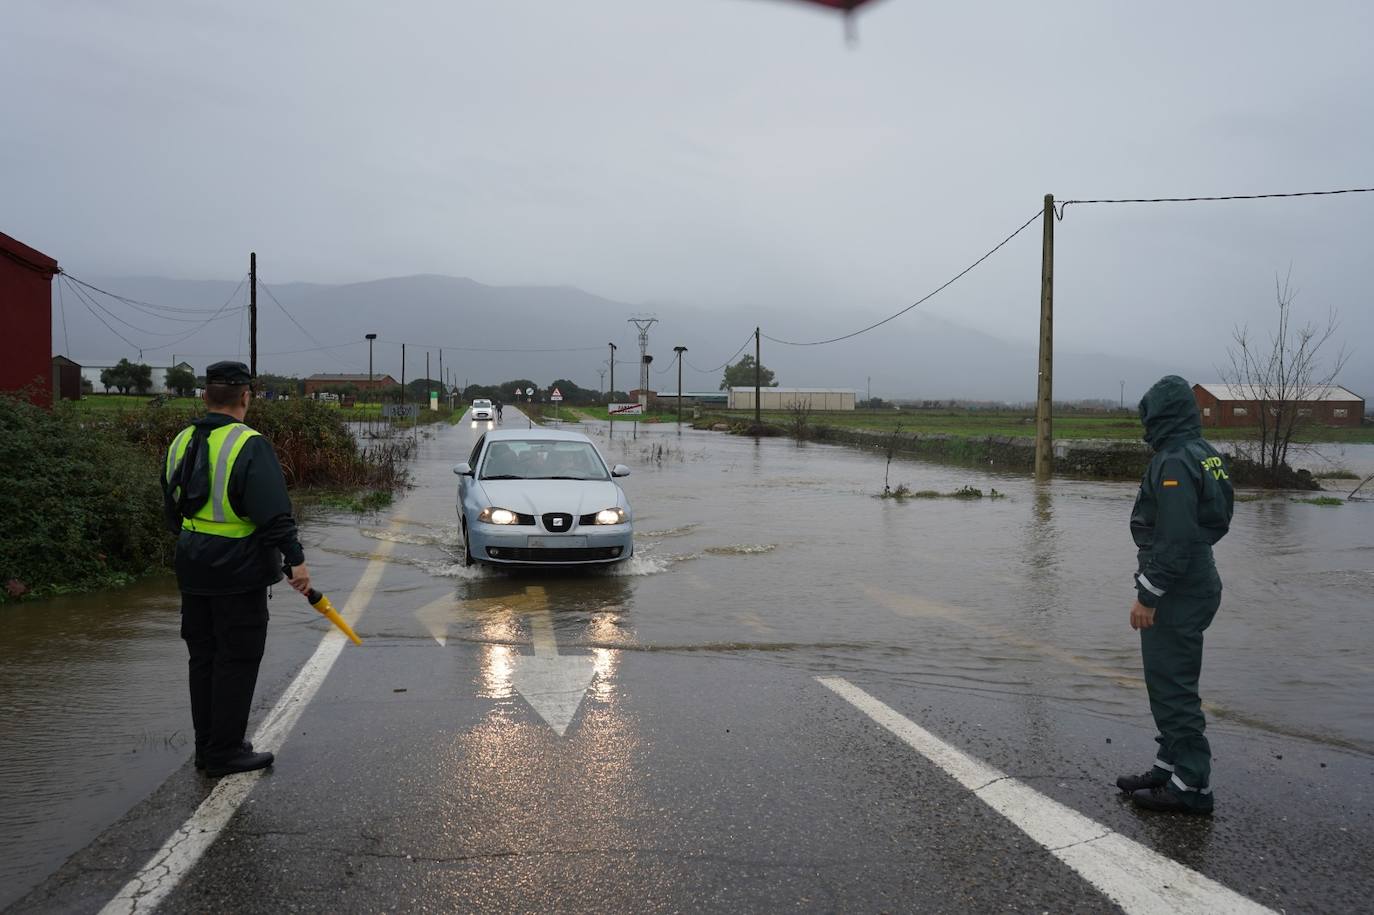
{"x": 216, "y": 516}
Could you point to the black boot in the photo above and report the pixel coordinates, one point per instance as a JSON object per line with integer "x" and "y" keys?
{"x": 1155, "y": 778}
{"x": 243, "y": 761}
{"x": 200, "y": 755}
{"x": 1169, "y": 799}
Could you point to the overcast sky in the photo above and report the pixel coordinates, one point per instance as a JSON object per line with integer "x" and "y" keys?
{"x": 725, "y": 154}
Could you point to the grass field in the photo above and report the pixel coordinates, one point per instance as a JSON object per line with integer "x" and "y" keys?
{"x": 128, "y": 403}
{"x": 1022, "y": 425}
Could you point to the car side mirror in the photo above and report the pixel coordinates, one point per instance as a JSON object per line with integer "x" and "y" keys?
{"x": 620, "y": 470}
{"x": 463, "y": 470}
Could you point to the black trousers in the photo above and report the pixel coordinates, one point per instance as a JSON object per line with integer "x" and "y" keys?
{"x": 225, "y": 635}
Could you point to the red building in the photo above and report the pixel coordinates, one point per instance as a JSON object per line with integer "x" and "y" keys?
{"x": 1229, "y": 405}
{"x": 26, "y": 311}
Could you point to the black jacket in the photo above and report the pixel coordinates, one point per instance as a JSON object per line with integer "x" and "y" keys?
{"x": 1185, "y": 500}
{"x": 206, "y": 564}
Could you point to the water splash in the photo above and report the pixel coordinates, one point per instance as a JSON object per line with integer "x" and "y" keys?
{"x": 744, "y": 549}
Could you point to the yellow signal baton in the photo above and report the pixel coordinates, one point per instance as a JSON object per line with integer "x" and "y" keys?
{"x": 326, "y": 609}
{"x": 322, "y": 604}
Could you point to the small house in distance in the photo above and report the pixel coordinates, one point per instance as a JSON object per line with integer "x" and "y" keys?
{"x": 1230, "y": 405}
{"x": 66, "y": 379}
{"x": 818, "y": 399}
{"x": 317, "y": 383}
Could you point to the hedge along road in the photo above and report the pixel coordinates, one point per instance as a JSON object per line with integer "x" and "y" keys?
{"x": 795, "y": 695}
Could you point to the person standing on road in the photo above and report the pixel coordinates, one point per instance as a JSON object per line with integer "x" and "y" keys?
{"x": 225, "y": 499}
{"x": 1184, "y": 507}
{"x": 498, "y": 411}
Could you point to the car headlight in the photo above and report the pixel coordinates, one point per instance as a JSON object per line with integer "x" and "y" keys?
{"x": 611, "y": 516}
{"x": 498, "y": 516}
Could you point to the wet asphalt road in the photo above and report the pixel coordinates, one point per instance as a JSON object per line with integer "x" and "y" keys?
{"x": 706, "y": 768}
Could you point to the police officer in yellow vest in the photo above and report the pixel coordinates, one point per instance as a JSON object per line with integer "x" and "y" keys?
{"x": 226, "y": 501}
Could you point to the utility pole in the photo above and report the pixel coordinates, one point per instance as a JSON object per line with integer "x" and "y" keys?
{"x": 679, "y": 350}
{"x": 1044, "y": 399}
{"x": 442, "y": 382}
{"x": 602, "y": 382}
{"x": 610, "y": 417}
{"x": 252, "y": 315}
{"x": 758, "y": 384}
{"x": 428, "y": 382}
{"x": 403, "y": 373}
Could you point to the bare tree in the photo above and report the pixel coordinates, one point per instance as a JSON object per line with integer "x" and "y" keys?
{"x": 1282, "y": 379}
{"x": 799, "y": 418}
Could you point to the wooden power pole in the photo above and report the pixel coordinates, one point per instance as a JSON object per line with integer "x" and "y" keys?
{"x": 758, "y": 377}
{"x": 1044, "y": 398}
{"x": 252, "y": 315}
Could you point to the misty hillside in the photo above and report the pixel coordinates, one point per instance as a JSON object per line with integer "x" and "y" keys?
{"x": 490, "y": 333}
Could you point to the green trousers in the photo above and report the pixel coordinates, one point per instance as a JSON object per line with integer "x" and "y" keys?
{"x": 1172, "y": 653}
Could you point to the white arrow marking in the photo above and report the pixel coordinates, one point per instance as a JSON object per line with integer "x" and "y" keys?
{"x": 436, "y": 617}
{"x": 551, "y": 683}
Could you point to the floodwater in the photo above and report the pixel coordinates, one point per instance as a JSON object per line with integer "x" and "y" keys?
{"x": 769, "y": 551}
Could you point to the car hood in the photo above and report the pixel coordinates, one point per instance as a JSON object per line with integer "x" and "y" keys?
{"x": 535, "y": 497}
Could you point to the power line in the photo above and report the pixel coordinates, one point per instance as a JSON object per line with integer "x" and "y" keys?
{"x": 1346, "y": 190}
{"x": 309, "y": 336}
{"x": 131, "y": 344}
{"x": 747, "y": 340}
{"x": 925, "y": 298}
{"x": 195, "y": 330}
{"x": 669, "y": 366}
{"x": 487, "y": 349}
{"x": 62, "y": 308}
{"x": 129, "y": 301}
{"x": 129, "y": 324}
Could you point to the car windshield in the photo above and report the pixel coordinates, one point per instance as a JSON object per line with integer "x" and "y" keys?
{"x": 481, "y": 403}
{"x": 542, "y": 460}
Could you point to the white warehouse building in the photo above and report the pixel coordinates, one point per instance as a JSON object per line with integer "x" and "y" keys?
{"x": 818, "y": 399}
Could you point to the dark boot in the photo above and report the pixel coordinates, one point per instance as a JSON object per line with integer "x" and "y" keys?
{"x": 1169, "y": 799}
{"x": 200, "y": 754}
{"x": 240, "y": 762}
{"x": 1155, "y": 778}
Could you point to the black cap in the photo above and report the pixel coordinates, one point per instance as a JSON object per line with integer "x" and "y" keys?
{"x": 227, "y": 372}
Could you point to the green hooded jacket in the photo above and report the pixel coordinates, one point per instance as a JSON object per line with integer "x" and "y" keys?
{"x": 1185, "y": 501}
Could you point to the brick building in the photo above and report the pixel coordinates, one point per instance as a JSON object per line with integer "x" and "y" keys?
{"x": 1228, "y": 405}
{"x": 316, "y": 383}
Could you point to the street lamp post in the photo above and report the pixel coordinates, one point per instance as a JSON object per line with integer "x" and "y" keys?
{"x": 679, "y": 350}
{"x": 1123, "y": 395}
{"x": 370, "y": 389}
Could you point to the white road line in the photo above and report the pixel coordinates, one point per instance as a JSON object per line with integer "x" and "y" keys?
{"x": 1136, "y": 878}
{"x": 179, "y": 854}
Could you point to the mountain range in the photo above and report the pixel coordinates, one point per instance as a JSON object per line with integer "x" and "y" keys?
{"x": 492, "y": 333}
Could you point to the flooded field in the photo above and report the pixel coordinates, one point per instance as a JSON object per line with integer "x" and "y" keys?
{"x": 764, "y": 551}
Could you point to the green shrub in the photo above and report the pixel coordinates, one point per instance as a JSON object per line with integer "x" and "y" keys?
{"x": 78, "y": 508}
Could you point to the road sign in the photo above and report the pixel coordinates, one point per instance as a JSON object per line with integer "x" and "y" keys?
{"x": 529, "y": 392}
{"x": 556, "y": 395}
{"x": 408, "y": 410}
{"x": 625, "y": 409}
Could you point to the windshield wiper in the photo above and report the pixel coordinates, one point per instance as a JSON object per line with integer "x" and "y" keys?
{"x": 564, "y": 478}
{"x": 504, "y": 476}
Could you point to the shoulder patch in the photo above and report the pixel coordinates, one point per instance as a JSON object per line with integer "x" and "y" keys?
{"x": 1171, "y": 482}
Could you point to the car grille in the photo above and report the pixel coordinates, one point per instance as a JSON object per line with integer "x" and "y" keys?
{"x": 566, "y": 554}
{"x": 558, "y": 522}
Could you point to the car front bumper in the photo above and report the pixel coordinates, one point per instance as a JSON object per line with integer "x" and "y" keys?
{"x": 523, "y": 545}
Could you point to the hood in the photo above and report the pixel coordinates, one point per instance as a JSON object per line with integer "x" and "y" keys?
{"x": 1169, "y": 411}
{"x": 535, "y": 497}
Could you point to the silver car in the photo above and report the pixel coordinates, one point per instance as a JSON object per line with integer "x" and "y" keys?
{"x": 483, "y": 410}
{"x": 542, "y": 497}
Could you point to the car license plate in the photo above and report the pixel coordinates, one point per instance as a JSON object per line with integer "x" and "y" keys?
{"x": 556, "y": 543}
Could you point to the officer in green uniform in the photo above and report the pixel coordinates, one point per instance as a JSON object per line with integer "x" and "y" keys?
{"x": 226, "y": 501}
{"x": 1184, "y": 507}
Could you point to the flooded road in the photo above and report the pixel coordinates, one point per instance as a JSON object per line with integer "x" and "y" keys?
{"x": 999, "y": 623}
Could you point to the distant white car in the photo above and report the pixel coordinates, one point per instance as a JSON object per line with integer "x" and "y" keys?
{"x": 542, "y": 497}
{"x": 483, "y": 410}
